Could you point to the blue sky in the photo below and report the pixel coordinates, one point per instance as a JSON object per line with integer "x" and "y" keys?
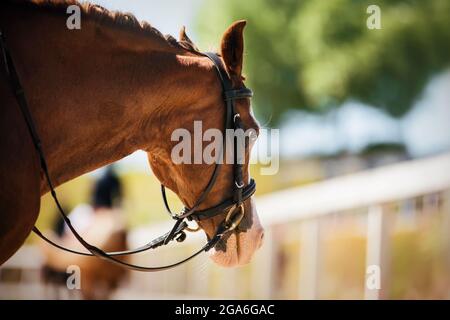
{"x": 425, "y": 130}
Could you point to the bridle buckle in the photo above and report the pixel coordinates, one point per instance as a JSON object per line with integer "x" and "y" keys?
{"x": 233, "y": 218}
{"x": 192, "y": 229}
{"x": 239, "y": 185}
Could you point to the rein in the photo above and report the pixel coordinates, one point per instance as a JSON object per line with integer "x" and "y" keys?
{"x": 233, "y": 206}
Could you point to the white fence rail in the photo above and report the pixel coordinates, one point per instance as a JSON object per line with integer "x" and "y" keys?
{"x": 381, "y": 185}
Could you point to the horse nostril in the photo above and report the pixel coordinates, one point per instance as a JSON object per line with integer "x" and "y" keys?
{"x": 261, "y": 239}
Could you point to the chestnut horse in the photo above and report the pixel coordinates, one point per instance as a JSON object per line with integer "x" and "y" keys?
{"x": 102, "y": 92}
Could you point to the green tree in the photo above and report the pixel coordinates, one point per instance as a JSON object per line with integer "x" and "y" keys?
{"x": 314, "y": 55}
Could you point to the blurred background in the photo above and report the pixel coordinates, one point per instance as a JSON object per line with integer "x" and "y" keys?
{"x": 364, "y": 175}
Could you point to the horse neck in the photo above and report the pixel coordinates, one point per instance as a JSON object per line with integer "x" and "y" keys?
{"x": 96, "y": 94}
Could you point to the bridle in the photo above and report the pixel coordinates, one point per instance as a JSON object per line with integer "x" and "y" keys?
{"x": 234, "y": 206}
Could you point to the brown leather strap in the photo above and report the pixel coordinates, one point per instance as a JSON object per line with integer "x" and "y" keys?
{"x": 155, "y": 243}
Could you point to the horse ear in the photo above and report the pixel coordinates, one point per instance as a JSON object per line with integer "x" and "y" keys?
{"x": 186, "y": 41}
{"x": 232, "y": 49}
